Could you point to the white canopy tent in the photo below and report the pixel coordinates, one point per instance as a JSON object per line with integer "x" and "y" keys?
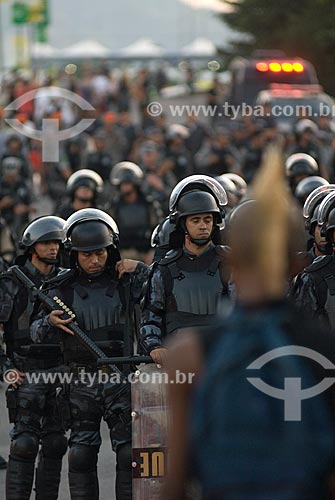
{"x": 43, "y": 51}
{"x": 86, "y": 48}
{"x": 215, "y": 5}
{"x": 143, "y": 47}
{"x": 200, "y": 47}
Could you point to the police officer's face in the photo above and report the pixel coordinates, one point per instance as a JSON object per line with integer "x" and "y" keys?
{"x": 199, "y": 225}
{"x": 84, "y": 197}
{"x": 47, "y": 249}
{"x": 94, "y": 261}
{"x": 317, "y": 236}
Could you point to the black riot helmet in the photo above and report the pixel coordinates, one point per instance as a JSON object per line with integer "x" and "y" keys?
{"x": 160, "y": 238}
{"x": 91, "y": 229}
{"x": 310, "y": 209}
{"x": 326, "y": 217}
{"x": 46, "y": 228}
{"x": 231, "y": 189}
{"x": 306, "y": 186}
{"x": 126, "y": 171}
{"x": 84, "y": 178}
{"x": 197, "y": 202}
{"x": 199, "y": 183}
{"x": 301, "y": 164}
{"x": 240, "y": 184}
{"x": 83, "y": 217}
{"x": 331, "y": 226}
{"x": 161, "y": 234}
{"x": 91, "y": 235}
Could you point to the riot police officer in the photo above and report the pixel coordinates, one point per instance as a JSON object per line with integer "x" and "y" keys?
{"x": 32, "y": 406}
{"x": 299, "y": 166}
{"x": 83, "y": 188}
{"x": 15, "y": 197}
{"x": 317, "y": 244}
{"x": 315, "y": 290}
{"x": 137, "y": 214}
{"x": 101, "y": 301}
{"x": 185, "y": 286}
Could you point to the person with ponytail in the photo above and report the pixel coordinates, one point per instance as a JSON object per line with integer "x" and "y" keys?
{"x": 229, "y": 440}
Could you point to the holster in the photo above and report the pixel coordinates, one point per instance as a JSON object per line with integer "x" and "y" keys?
{"x": 63, "y": 406}
{"x": 11, "y": 399}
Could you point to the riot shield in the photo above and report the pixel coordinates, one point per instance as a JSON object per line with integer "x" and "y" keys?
{"x": 150, "y": 418}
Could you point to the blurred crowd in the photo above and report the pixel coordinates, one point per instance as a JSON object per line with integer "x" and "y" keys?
{"x": 124, "y": 130}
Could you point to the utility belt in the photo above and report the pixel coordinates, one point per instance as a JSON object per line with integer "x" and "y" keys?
{"x": 75, "y": 354}
{"x": 178, "y": 320}
{"x": 39, "y": 351}
{"x": 78, "y": 368}
{"x": 38, "y": 357}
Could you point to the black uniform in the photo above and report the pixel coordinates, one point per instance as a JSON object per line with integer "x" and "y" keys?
{"x": 32, "y": 407}
{"x": 100, "y": 303}
{"x": 20, "y": 192}
{"x": 136, "y": 222}
{"x": 314, "y": 290}
{"x": 184, "y": 291}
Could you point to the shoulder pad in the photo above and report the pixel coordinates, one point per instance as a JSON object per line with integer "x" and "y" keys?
{"x": 7, "y": 279}
{"x": 63, "y": 276}
{"x": 319, "y": 263}
{"x": 171, "y": 256}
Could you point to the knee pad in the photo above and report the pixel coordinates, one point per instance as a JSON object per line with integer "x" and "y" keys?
{"x": 83, "y": 458}
{"x": 54, "y": 445}
{"x": 25, "y": 446}
{"x": 124, "y": 457}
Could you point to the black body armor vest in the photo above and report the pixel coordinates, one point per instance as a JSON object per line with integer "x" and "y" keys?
{"x": 193, "y": 288}
{"x": 99, "y": 305}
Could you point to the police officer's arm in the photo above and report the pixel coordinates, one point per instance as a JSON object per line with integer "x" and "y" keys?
{"x": 45, "y": 324}
{"x": 304, "y": 295}
{"x": 132, "y": 266}
{"x": 151, "y": 333}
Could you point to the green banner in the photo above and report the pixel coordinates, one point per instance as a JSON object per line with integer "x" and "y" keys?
{"x": 41, "y": 33}
{"x": 19, "y": 13}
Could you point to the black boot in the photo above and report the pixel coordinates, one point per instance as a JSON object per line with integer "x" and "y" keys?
{"x": 84, "y": 485}
{"x": 123, "y": 483}
{"x": 47, "y": 478}
{"x": 19, "y": 479}
{"x": 3, "y": 463}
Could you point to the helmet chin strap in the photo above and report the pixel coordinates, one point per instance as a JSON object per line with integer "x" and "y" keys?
{"x": 50, "y": 262}
{"x": 200, "y": 242}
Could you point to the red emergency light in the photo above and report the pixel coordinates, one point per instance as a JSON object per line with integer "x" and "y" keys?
{"x": 278, "y": 67}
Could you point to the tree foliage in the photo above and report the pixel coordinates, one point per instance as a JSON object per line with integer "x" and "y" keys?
{"x": 304, "y": 28}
